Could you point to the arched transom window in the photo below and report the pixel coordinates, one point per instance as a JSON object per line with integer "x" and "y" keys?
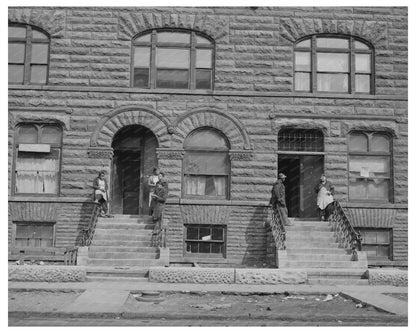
{"x": 28, "y": 55}
{"x": 334, "y": 64}
{"x": 172, "y": 59}
{"x": 206, "y": 166}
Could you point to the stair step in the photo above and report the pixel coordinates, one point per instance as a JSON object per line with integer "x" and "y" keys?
{"x": 123, "y": 233}
{"x": 136, "y": 249}
{"x": 117, "y": 270}
{"x": 118, "y": 279}
{"x": 98, "y": 236}
{"x": 123, "y": 225}
{"x": 123, "y": 262}
{"x": 317, "y": 250}
{"x": 121, "y": 243}
{"x": 323, "y": 264}
{"x": 334, "y": 282}
{"x": 317, "y": 257}
{"x": 303, "y": 244}
{"x": 122, "y": 255}
{"x": 307, "y": 228}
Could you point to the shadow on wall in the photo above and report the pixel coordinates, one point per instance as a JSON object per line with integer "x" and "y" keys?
{"x": 256, "y": 237}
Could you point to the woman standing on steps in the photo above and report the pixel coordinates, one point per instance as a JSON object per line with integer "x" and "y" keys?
{"x": 325, "y": 198}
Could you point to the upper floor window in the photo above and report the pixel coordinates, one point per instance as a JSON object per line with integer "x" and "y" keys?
{"x": 333, "y": 64}
{"x": 369, "y": 176}
{"x": 28, "y": 55}
{"x": 172, "y": 59}
{"x": 206, "y": 165}
{"x": 37, "y": 159}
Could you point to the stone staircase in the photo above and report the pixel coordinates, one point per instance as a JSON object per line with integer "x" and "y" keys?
{"x": 312, "y": 246}
{"x": 121, "y": 248}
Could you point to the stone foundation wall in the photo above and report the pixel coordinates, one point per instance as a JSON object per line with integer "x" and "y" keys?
{"x": 55, "y": 273}
{"x": 395, "y": 277}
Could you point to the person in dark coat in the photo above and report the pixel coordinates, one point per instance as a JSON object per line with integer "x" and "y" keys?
{"x": 325, "y": 191}
{"x": 278, "y": 199}
{"x": 159, "y": 197}
{"x": 100, "y": 195}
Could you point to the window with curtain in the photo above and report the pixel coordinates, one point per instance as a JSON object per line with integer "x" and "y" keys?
{"x": 37, "y": 159}
{"x": 369, "y": 174}
{"x": 34, "y": 234}
{"x": 172, "y": 59}
{"x": 334, "y": 64}
{"x": 206, "y": 165}
{"x": 28, "y": 55}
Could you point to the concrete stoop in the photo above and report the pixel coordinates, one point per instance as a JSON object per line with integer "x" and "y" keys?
{"x": 122, "y": 248}
{"x": 312, "y": 246}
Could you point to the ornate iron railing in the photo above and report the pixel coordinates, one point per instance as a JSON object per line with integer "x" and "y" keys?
{"x": 346, "y": 235}
{"x": 88, "y": 233}
{"x": 160, "y": 234}
{"x": 278, "y": 229}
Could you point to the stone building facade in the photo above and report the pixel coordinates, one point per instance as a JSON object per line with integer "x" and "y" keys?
{"x": 257, "y": 95}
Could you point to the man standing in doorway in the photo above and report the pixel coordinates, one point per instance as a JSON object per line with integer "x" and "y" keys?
{"x": 278, "y": 199}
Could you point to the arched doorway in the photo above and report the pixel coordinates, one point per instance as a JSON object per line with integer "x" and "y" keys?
{"x": 133, "y": 161}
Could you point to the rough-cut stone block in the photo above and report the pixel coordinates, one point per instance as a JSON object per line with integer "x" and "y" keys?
{"x": 395, "y": 277}
{"x": 191, "y": 275}
{"x": 269, "y": 276}
{"x": 53, "y": 273}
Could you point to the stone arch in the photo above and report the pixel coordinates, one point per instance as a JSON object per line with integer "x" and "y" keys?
{"x": 232, "y": 128}
{"x": 131, "y": 23}
{"x": 50, "y": 20}
{"x": 292, "y": 29}
{"x": 318, "y": 124}
{"x": 112, "y": 122}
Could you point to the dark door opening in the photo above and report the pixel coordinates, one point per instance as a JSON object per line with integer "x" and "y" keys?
{"x": 303, "y": 173}
{"x": 133, "y": 160}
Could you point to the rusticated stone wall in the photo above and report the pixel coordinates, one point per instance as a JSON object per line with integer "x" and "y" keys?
{"x": 89, "y": 94}
{"x": 54, "y": 273}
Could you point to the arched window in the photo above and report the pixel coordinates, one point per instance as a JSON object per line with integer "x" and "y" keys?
{"x": 37, "y": 159}
{"x": 172, "y": 59}
{"x": 28, "y": 55}
{"x": 334, "y": 64}
{"x": 369, "y": 176}
{"x": 206, "y": 165}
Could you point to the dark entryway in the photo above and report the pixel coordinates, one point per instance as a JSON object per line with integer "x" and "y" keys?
{"x": 134, "y": 158}
{"x": 303, "y": 173}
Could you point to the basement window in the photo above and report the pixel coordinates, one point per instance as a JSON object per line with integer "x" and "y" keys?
{"x": 34, "y": 235}
{"x": 377, "y": 243}
{"x": 205, "y": 239}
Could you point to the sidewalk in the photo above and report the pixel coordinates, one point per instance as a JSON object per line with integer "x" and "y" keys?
{"x": 109, "y": 297}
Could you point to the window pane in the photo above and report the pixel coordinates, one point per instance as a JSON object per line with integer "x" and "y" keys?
{"x": 362, "y": 63}
{"x": 38, "y": 35}
{"x": 206, "y": 185}
{"x": 333, "y": 82}
{"x": 144, "y": 38}
{"x": 378, "y": 189}
{"x": 370, "y": 249}
{"x": 51, "y": 135}
{"x": 335, "y": 43}
{"x": 38, "y": 74}
{"x": 303, "y": 61}
{"x": 172, "y": 58}
{"x": 204, "y": 248}
{"x": 175, "y": 79}
{"x": 206, "y": 163}
{"x": 173, "y": 37}
{"x": 27, "y": 134}
{"x": 217, "y": 234}
{"x": 216, "y": 248}
{"x": 17, "y": 32}
{"x": 16, "y": 73}
{"x": 192, "y": 233}
{"x": 203, "y": 58}
{"x": 305, "y": 43}
{"x": 141, "y": 56}
{"x": 202, "y": 40}
{"x": 302, "y": 82}
{"x": 141, "y": 77}
{"x": 192, "y": 247}
{"x": 206, "y": 139}
{"x": 204, "y": 232}
{"x": 379, "y": 143}
{"x": 16, "y": 53}
{"x": 360, "y": 46}
{"x": 333, "y": 62}
{"x": 358, "y": 142}
{"x": 362, "y": 83}
{"x": 195, "y": 185}
{"x": 369, "y": 166}
{"x": 203, "y": 79}
{"x": 40, "y": 53}
{"x": 383, "y": 251}
{"x": 383, "y": 237}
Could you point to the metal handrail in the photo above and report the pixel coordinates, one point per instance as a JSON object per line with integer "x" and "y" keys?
{"x": 88, "y": 233}
{"x": 278, "y": 229}
{"x": 347, "y": 236}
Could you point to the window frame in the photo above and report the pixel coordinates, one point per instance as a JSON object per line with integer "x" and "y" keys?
{"x": 56, "y": 146}
{"x": 192, "y": 46}
{"x": 351, "y": 51}
{"x": 28, "y": 41}
{"x": 36, "y": 224}
{"x": 318, "y": 135}
{"x": 389, "y": 244}
{"x": 190, "y": 149}
{"x": 389, "y": 154}
{"x": 221, "y": 255}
